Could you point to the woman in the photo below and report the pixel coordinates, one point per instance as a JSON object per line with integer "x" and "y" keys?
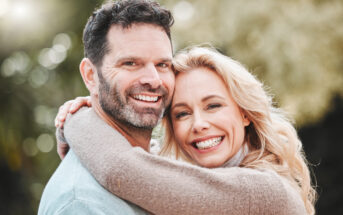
{"x": 220, "y": 116}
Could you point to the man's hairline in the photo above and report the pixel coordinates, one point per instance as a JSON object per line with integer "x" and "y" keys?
{"x": 107, "y": 48}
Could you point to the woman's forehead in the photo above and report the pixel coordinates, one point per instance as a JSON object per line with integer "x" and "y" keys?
{"x": 198, "y": 83}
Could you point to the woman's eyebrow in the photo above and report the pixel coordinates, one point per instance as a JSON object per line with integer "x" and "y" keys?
{"x": 212, "y": 96}
{"x": 181, "y": 104}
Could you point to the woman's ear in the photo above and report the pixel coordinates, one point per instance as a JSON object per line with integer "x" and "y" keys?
{"x": 246, "y": 120}
{"x": 89, "y": 75}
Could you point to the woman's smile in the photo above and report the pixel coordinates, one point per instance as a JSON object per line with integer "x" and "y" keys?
{"x": 207, "y": 143}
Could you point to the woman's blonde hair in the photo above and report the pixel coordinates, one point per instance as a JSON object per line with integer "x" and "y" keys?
{"x": 272, "y": 140}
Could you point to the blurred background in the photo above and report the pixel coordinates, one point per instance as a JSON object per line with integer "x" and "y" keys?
{"x": 294, "y": 46}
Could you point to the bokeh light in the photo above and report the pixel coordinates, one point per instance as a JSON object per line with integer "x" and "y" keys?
{"x": 45, "y": 143}
{"x": 18, "y": 62}
{"x": 183, "y": 11}
{"x": 21, "y": 10}
{"x": 36, "y": 190}
{"x": 4, "y": 6}
{"x": 38, "y": 77}
{"x": 18, "y": 11}
{"x": 44, "y": 115}
{"x": 50, "y": 58}
{"x": 30, "y": 147}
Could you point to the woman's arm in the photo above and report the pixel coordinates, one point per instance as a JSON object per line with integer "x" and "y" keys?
{"x": 165, "y": 186}
{"x": 69, "y": 107}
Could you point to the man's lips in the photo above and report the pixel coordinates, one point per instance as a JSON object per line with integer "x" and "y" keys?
{"x": 151, "y": 98}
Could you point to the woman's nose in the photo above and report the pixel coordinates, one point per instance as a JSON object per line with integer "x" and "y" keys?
{"x": 200, "y": 123}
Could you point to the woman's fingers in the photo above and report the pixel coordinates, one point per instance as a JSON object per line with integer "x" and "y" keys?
{"x": 89, "y": 102}
{"x": 71, "y": 107}
{"x": 80, "y": 102}
{"x": 62, "y": 113}
{"x": 62, "y": 146}
{"x": 62, "y": 150}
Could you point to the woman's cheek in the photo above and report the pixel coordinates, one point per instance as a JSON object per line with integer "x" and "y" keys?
{"x": 180, "y": 132}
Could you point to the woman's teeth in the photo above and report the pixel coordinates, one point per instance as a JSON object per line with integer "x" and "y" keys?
{"x": 208, "y": 143}
{"x": 146, "y": 98}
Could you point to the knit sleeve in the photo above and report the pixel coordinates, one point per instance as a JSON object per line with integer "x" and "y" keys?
{"x": 164, "y": 186}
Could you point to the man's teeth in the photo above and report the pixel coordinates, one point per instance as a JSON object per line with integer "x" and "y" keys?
{"x": 146, "y": 98}
{"x": 208, "y": 143}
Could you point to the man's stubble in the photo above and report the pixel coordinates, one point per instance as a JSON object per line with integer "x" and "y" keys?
{"x": 122, "y": 110}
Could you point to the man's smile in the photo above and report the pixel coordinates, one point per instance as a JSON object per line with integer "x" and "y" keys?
{"x": 146, "y": 98}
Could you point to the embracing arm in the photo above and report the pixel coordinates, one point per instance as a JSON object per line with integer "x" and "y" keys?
{"x": 164, "y": 186}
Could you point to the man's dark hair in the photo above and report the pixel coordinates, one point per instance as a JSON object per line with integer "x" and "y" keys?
{"x": 124, "y": 13}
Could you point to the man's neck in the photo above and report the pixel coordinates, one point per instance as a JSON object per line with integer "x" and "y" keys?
{"x": 136, "y": 136}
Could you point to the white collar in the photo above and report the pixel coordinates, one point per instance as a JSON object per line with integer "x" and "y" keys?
{"x": 238, "y": 157}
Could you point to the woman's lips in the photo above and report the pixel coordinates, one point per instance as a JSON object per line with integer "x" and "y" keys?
{"x": 207, "y": 144}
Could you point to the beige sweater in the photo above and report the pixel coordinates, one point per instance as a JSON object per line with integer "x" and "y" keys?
{"x": 165, "y": 186}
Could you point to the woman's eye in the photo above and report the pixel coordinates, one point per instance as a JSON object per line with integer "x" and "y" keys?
{"x": 181, "y": 114}
{"x": 213, "y": 106}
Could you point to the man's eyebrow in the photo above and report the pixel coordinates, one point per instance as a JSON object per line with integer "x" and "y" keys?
{"x": 128, "y": 58}
{"x": 166, "y": 59}
{"x": 134, "y": 58}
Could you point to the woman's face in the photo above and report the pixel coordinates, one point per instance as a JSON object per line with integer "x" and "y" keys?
{"x": 208, "y": 124}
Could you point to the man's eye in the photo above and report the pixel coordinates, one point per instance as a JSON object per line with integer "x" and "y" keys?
{"x": 129, "y": 63}
{"x": 163, "y": 65}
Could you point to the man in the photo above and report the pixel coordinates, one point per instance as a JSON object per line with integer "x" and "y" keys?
{"x": 127, "y": 70}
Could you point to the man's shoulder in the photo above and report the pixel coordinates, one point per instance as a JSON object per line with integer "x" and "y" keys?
{"x": 72, "y": 188}
{"x": 89, "y": 206}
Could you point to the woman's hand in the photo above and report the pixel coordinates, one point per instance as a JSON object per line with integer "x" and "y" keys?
{"x": 68, "y": 107}
{"x": 71, "y": 106}
{"x": 62, "y": 145}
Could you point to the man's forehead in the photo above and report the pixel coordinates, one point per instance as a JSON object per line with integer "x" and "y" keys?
{"x": 139, "y": 41}
{"x": 137, "y": 32}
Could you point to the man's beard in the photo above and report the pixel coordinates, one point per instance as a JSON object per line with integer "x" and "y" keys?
{"x": 129, "y": 114}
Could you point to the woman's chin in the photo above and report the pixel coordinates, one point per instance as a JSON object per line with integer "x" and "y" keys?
{"x": 210, "y": 163}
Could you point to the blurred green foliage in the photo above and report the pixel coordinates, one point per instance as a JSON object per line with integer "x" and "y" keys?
{"x": 294, "y": 46}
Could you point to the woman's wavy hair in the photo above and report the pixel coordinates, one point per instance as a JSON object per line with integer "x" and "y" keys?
{"x": 272, "y": 140}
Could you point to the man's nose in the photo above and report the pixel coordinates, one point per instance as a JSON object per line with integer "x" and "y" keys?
{"x": 151, "y": 76}
{"x": 200, "y": 122}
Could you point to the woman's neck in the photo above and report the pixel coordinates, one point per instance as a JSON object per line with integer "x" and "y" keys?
{"x": 238, "y": 157}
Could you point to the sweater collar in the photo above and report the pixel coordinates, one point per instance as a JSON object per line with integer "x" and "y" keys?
{"x": 238, "y": 157}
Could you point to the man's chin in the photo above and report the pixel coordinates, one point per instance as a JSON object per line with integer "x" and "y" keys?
{"x": 148, "y": 112}
{"x": 147, "y": 121}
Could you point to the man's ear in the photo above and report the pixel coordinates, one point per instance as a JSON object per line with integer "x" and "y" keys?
{"x": 89, "y": 75}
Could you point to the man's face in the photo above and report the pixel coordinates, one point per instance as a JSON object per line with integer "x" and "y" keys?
{"x": 136, "y": 82}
